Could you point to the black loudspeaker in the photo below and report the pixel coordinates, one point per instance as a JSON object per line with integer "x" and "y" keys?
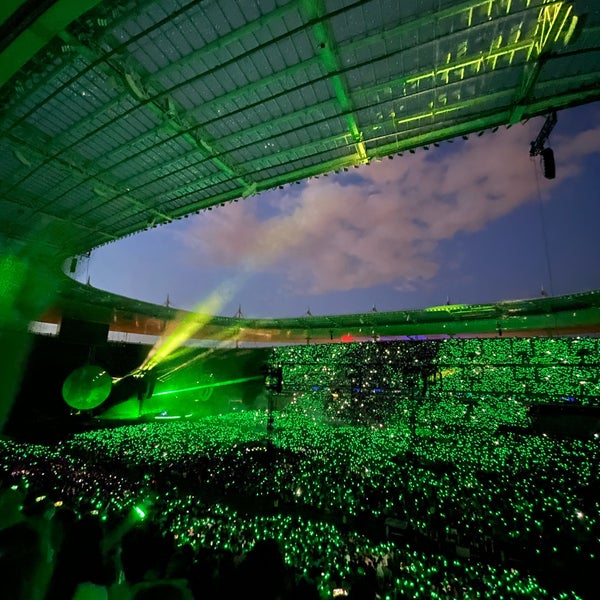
{"x": 548, "y": 163}
{"x": 83, "y": 332}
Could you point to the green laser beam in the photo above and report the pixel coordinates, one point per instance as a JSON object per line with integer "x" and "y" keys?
{"x": 208, "y": 385}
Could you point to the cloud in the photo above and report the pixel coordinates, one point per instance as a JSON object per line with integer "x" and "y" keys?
{"x": 386, "y": 223}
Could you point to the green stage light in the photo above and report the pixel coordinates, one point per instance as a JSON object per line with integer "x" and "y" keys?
{"x": 141, "y": 514}
{"x": 87, "y": 387}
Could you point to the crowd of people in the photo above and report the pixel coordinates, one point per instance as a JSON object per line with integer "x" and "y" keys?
{"x": 226, "y": 507}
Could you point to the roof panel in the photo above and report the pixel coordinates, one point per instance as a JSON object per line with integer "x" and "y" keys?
{"x": 10, "y": 159}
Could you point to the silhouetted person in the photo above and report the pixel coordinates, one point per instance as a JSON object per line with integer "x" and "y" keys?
{"x": 79, "y": 558}
{"x": 261, "y": 574}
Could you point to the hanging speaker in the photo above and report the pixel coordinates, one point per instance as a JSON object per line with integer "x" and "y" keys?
{"x": 548, "y": 163}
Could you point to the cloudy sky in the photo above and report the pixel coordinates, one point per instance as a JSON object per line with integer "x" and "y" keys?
{"x": 471, "y": 221}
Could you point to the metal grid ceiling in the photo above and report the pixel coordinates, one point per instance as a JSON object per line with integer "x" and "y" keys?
{"x": 136, "y": 113}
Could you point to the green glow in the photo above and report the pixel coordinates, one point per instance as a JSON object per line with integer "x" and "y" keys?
{"x": 140, "y": 513}
{"x": 87, "y": 387}
{"x": 12, "y": 277}
{"x": 569, "y": 33}
{"x": 209, "y": 385}
{"x": 127, "y": 410}
{"x": 8, "y": 7}
{"x": 448, "y": 307}
{"x": 562, "y": 24}
{"x": 192, "y": 381}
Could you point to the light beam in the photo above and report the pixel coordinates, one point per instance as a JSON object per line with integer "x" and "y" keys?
{"x": 209, "y": 385}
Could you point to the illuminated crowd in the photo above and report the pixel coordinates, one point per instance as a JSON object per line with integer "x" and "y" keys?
{"x": 414, "y": 491}
{"x": 540, "y": 369}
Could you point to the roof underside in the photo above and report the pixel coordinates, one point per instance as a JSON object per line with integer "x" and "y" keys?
{"x": 122, "y": 115}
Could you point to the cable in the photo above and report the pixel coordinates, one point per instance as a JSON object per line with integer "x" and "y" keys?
{"x": 544, "y": 232}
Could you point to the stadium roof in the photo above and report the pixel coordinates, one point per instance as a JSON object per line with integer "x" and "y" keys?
{"x": 122, "y": 115}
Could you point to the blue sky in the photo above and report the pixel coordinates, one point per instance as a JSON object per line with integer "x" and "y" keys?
{"x": 471, "y": 222}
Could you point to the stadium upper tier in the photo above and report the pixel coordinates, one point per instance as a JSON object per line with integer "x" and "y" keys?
{"x": 122, "y": 115}
{"x": 573, "y": 314}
